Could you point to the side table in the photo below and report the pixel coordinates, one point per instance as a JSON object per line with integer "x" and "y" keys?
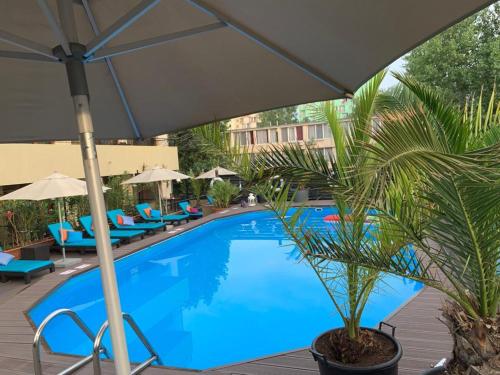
{"x": 36, "y": 252}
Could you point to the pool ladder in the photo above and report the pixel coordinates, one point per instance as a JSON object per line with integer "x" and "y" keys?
{"x": 98, "y": 347}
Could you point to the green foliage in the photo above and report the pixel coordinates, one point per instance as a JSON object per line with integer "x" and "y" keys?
{"x": 195, "y": 150}
{"x": 76, "y": 207}
{"x": 463, "y": 59}
{"x": 223, "y": 193}
{"x": 26, "y": 221}
{"x": 215, "y": 139}
{"x": 197, "y": 186}
{"x": 120, "y": 196}
{"x": 280, "y": 116}
{"x": 452, "y": 158}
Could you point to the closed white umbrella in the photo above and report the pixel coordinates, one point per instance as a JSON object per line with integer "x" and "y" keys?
{"x": 156, "y": 174}
{"x": 216, "y": 172}
{"x": 148, "y": 61}
{"x": 55, "y": 186}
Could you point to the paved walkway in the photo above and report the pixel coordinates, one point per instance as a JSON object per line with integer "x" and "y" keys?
{"x": 425, "y": 340}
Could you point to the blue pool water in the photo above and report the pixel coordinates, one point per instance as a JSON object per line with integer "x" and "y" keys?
{"x": 227, "y": 291}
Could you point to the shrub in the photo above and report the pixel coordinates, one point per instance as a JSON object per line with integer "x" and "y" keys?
{"x": 223, "y": 193}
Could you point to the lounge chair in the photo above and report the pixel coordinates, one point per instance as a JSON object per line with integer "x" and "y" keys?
{"x": 84, "y": 244}
{"x": 24, "y": 268}
{"x": 171, "y": 219}
{"x": 210, "y": 200}
{"x": 127, "y": 235}
{"x": 192, "y": 215}
{"x": 148, "y": 227}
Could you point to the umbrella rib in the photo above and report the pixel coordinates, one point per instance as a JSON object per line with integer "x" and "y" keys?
{"x": 26, "y": 44}
{"x": 114, "y": 75}
{"x": 271, "y": 47}
{"x": 121, "y": 24}
{"x": 54, "y": 25}
{"x": 26, "y": 56}
{"x": 151, "y": 42}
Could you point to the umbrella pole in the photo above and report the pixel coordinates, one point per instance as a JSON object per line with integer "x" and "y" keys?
{"x": 61, "y": 229}
{"x": 159, "y": 200}
{"x": 79, "y": 91}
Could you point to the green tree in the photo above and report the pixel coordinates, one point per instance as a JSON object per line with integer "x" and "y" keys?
{"x": 462, "y": 59}
{"x": 195, "y": 153}
{"x": 280, "y": 116}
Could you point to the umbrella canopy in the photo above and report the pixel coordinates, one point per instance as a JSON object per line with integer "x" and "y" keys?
{"x": 156, "y": 174}
{"x": 158, "y": 66}
{"x": 216, "y": 172}
{"x": 54, "y": 186}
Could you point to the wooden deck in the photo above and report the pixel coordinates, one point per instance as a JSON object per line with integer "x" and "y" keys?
{"x": 425, "y": 340}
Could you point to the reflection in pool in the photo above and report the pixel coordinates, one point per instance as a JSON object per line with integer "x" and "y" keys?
{"x": 227, "y": 291}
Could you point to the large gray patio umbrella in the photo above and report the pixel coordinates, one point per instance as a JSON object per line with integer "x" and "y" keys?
{"x": 155, "y": 66}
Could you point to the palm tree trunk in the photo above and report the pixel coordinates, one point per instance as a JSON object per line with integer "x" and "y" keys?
{"x": 476, "y": 342}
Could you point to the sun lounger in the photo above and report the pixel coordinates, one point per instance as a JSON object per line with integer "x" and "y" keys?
{"x": 24, "y": 268}
{"x": 84, "y": 244}
{"x": 148, "y": 227}
{"x": 192, "y": 215}
{"x": 171, "y": 219}
{"x": 127, "y": 235}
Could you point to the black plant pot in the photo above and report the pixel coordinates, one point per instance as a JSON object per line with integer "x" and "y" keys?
{"x": 435, "y": 371}
{"x": 327, "y": 367}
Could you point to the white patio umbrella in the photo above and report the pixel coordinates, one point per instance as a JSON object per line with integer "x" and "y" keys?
{"x": 147, "y": 61}
{"x": 156, "y": 174}
{"x": 216, "y": 172}
{"x": 56, "y": 186}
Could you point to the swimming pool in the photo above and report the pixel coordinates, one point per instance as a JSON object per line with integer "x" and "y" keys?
{"x": 227, "y": 291}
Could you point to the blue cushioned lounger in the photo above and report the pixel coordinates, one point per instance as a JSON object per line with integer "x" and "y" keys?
{"x": 85, "y": 243}
{"x": 171, "y": 219}
{"x": 24, "y": 268}
{"x": 148, "y": 227}
{"x": 210, "y": 200}
{"x": 192, "y": 215}
{"x": 127, "y": 235}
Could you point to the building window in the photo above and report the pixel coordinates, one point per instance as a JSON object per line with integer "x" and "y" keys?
{"x": 244, "y": 138}
{"x": 262, "y": 137}
{"x": 327, "y": 152}
{"x": 288, "y": 135}
{"x": 319, "y": 131}
{"x": 273, "y": 136}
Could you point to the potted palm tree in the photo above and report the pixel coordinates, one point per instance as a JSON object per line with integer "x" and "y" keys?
{"x": 431, "y": 171}
{"x": 351, "y": 349}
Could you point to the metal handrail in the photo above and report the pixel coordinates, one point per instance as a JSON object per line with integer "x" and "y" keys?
{"x": 38, "y": 335}
{"x": 98, "y": 340}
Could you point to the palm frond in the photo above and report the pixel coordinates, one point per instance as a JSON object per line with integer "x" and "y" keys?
{"x": 448, "y": 120}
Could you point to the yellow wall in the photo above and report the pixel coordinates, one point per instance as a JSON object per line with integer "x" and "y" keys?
{"x": 24, "y": 163}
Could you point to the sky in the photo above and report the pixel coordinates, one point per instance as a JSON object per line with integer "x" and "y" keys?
{"x": 396, "y": 66}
